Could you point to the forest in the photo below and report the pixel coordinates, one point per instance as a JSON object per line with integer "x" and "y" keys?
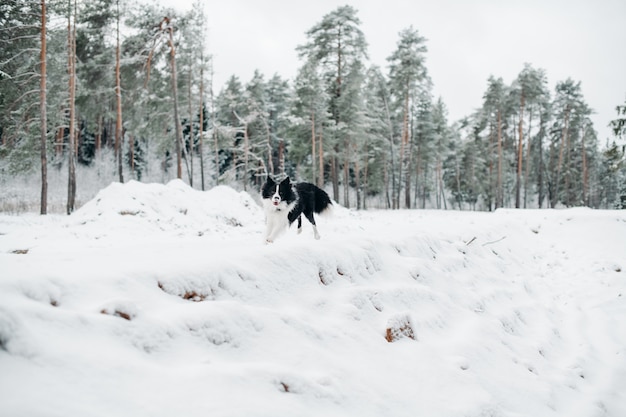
{"x": 93, "y": 92}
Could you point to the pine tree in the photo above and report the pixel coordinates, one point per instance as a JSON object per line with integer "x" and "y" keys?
{"x": 20, "y": 124}
{"x": 71, "y": 56}
{"x": 442, "y": 145}
{"x": 96, "y": 69}
{"x": 529, "y": 89}
{"x": 619, "y": 125}
{"x": 147, "y": 94}
{"x": 119, "y": 133}
{"x": 618, "y": 166}
{"x": 43, "y": 113}
{"x": 494, "y": 111}
{"x": 374, "y": 144}
{"x": 229, "y": 104}
{"x": 278, "y": 94}
{"x": 569, "y": 111}
{"x": 336, "y": 48}
{"x": 407, "y": 75}
{"x": 310, "y": 111}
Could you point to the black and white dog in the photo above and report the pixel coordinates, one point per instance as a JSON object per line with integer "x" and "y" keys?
{"x": 285, "y": 202}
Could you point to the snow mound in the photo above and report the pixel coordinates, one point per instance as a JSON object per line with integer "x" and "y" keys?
{"x": 171, "y": 207}
{"x": 175, "y": 310}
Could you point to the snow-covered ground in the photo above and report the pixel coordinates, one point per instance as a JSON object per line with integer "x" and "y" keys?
{"x": 160, "y": 300}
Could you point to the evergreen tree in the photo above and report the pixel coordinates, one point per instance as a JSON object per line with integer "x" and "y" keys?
{"x": 616, "y": 157}
{"x": 407, "y": 75}
{"x": 257, "y": 149}
{"x": 279, "y": 94}
{"x": 375, "y": 144}
{"x": 336, "y": 48}
{"x": 570, "y": 112}
{"x": 147, "y": 91}
{"x": 619, "y": 125}
{"x": 229, "y": 104}
{"x": 443, "y": 147}
{"x": 613, "y": 177}
{"x": 494, "y": 112}
{"x": 19, "y": 90}
{"x": 466, "y": 176}
{"x": 95, "y": 71}
{"x": 530, "y": 90}
{"x": 43, "y": 111}
{"x": 311, "y": 118}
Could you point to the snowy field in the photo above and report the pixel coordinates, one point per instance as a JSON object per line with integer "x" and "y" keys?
{"x": 160, "y": 300}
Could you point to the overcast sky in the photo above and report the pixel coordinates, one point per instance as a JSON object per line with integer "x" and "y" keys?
{"x": 467, "y": 40}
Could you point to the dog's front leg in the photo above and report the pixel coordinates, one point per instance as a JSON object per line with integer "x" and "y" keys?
{"x": 269, "y": 233}
{"x": 274, "y": 227}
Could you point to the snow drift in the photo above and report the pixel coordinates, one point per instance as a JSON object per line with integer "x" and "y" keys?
{"x": 160, "y": 300}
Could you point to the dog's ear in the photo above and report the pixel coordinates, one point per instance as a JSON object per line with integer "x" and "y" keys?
{"x": 286, "y": 181}
{"x": 270, "y": 181}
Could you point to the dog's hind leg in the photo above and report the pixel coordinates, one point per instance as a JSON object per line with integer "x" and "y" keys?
{"x": 309, "y": 216}
{"x": 299, "y": 224}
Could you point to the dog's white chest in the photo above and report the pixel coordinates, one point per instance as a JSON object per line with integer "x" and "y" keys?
{"x": 276, "y": 219}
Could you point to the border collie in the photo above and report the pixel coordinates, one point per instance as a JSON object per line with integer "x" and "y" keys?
{"x": 285, "y": 202}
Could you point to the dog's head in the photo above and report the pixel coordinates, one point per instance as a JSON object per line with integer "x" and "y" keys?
{"x": 278, "y": 193}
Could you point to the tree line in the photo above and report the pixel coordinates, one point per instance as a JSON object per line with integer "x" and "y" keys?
{"x": 126, "y": 90}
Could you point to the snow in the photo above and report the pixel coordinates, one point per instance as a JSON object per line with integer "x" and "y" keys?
{"x": 161, "y": 300}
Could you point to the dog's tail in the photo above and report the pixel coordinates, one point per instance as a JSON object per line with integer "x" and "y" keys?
{"x": 323, "y": 203}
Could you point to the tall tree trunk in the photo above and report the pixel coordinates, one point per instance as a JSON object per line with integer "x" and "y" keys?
{"x": 99, "y": 135}
{"x": 179, "y": 132}
{"x": 561, "y": 151}
{"x": 387, "y": 181}
{"x": 404, "y": 150}
{"x": 217, "y": 153}
{"x": 346, "y": 173}
{"x": 71, "y": 41}
{"x": 190, "y": 155}
{"x": 442, "y": 190}
{"x": 541, "y": 168}
{"x": 418, "y": 170}
{"x": 313, "y": 158}
{"x": 246, "y": 156}
{"x": 357, "y": 179}
{"x": 281, "y": 157}
{"x": 438, "y": 182}
{"x": 365, "y": 181}
{"x": 389, "y": 163}
{"x": 528, "y": 154}
{"x": 585, "y": 170}
{"x": 214, "y": 127}
{"x": 201, "y": 128}
{"x": 43, "y": 113}
{"x": 320, "y": 154}
{"x": 520, "y": 149}
{"x": 491, "y": 158}
{"x": 334, "y": 162}
{"x": 334, "y": 174}
{"x": 118, "y": 94}
{"x": 268, "y": 145}
{"x": 131, "y": 153}
{"x": 499, "y": 187}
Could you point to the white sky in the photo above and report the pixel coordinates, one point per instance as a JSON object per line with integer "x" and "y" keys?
{"x": 467, "y": 42}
